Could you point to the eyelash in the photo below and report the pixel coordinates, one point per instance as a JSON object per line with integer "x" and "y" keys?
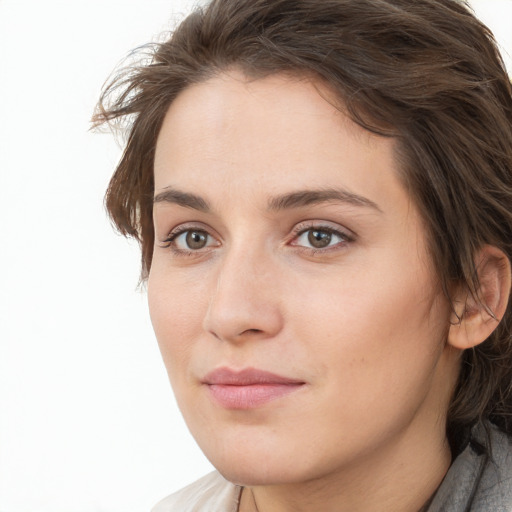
{"x": 299, "y": 230}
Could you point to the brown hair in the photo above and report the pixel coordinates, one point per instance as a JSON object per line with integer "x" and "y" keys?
{"x": 426, "y": 72}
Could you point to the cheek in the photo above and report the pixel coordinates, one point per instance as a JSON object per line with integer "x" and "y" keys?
{"x": 373, "y": 351}
{"x": 377, "y": 328}
{"x": 176, "y": 310}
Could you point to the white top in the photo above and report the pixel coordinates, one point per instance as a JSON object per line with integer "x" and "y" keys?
{"x": 212, "y": 493}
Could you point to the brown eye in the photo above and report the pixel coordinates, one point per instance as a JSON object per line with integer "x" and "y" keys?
{"x": 196, "y": 239}
{"x": 189, "y": 240}
{"x": 319, "y": 239}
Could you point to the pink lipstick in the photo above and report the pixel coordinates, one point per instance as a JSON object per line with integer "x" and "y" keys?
{"x": 248, "y": 388}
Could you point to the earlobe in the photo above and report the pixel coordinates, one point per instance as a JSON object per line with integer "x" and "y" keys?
{"x": 475, "y": 318}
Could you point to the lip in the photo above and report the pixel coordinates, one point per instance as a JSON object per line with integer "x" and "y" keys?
{"x": 248, "y": 388}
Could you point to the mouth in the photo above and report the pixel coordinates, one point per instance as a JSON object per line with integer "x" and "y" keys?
{"x": 249, "y": 388}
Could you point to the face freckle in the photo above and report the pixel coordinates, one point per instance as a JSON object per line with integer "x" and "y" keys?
{"x": 356, "y": 326}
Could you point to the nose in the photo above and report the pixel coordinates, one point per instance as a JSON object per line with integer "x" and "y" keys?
{"x": 245, "y": 303}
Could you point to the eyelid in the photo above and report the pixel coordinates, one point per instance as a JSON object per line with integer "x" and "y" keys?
{"x": 323, "y": 224}
{"x": 186, "y": 226}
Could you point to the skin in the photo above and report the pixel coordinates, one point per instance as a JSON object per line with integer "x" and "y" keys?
{"x": 362, "y": 322}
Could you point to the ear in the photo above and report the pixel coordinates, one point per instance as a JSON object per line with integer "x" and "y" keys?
{"x": 476, "y": 318}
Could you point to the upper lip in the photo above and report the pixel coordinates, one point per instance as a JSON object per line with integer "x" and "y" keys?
{"x": 246, "y": 377}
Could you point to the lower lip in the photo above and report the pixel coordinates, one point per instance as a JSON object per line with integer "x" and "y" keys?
{"x": 250, "y": 396}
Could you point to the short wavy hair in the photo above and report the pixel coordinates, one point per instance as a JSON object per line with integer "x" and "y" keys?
{"x": 425, "y": 72}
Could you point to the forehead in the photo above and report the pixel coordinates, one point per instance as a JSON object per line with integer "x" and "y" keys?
{"x": 270, "y": 134}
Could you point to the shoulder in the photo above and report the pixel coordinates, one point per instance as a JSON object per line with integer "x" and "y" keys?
{"x": 212, "y": 492}
{"x": 494, "y": 491}
{"x": 480, "y": 478}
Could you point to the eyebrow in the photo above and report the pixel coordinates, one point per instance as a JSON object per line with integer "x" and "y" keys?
{"x": 303, "y": 198}
{"x": 185, "y": 199}
{"x": 298, "y": 199}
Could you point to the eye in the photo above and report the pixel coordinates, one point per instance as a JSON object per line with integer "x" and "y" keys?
{"x": 318, "y": 238}
{"x": 189, "y": 240}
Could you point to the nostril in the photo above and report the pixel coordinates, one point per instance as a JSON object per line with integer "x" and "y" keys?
{"x": 251, "y": 331}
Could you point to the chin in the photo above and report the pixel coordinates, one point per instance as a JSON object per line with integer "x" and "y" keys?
{"x": 251, "y": 456}
{"x": 246, "y": 475}
{"x": 264, "y": 466}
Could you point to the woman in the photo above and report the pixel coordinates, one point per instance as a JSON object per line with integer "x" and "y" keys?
{"x": 322, "y": 193}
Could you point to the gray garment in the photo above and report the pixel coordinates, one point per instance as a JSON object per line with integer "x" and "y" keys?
{"x": 479, "y": 480}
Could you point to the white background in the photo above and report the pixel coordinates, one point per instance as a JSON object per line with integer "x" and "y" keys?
{"x": 87, "y": 419}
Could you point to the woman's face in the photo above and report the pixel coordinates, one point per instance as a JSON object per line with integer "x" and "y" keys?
{"x": 290, "y": 290}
